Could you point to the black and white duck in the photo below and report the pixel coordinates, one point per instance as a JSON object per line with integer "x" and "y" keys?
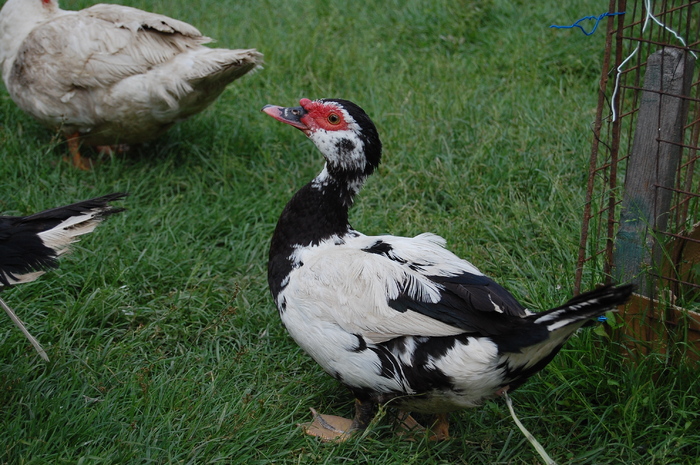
{"x": 29, "y": 245}
{"x": 398, "y": 319}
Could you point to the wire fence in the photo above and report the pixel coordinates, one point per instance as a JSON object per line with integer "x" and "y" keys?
{"x": 634, "y": 41}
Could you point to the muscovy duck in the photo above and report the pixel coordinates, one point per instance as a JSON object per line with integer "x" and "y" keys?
{"x": 29, "y": 245}
{"x": 398, "y": 319}
{"x": 110, "y": 74}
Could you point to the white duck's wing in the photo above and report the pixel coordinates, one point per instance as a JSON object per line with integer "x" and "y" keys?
{"x": 134, "y": 19}
{"x": 104, "y": 44}
{"x": 383, "y": 287}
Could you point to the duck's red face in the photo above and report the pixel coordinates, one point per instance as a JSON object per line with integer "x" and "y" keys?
{"x": 340, "y": 129}
{"x": 310, "y": 116}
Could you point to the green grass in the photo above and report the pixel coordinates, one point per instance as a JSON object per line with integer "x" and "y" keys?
{"x": 165, "y": 345}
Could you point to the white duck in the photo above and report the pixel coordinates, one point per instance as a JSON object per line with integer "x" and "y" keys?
{"x": 398, "y": 319}
{"x": 110, "y": 74}
{"x": 31, "y": 244}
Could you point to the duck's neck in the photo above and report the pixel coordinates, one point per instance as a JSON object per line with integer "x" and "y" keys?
{"x": 317, "y": 212}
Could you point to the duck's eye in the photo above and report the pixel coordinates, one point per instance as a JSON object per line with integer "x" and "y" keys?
{"x": 333, "y": 118}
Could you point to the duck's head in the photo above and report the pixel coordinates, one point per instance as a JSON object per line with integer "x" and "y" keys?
{"x": 341, "y": 130}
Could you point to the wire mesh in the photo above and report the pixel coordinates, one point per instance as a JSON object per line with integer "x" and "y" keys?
{"x": 645, "y": 28}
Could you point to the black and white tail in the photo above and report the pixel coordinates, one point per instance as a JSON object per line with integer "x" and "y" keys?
{"x": 29, "y": 245}
{"x": 585, "y": 306}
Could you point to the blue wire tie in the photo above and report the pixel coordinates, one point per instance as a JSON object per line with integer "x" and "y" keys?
{"x": 596, "y": 18}
{"x": 602, "y": 318}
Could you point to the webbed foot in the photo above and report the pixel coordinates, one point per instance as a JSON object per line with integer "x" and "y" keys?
{"x": 328, "y": 428}
{"x": 331, "y": 428}
{"x": 439, "y": 431}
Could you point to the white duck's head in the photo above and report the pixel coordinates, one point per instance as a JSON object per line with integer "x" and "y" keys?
{"x": 17, "y": 19}
{"x": 341, "y": 130}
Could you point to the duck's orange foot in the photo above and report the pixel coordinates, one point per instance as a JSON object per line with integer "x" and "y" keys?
{"x": 441, "y": 428}
{"x": 76, "y": 159}
{"x": 111, "y": 150}
{"x": 409, "y": 424}
{"x": 80, "y": 162}
{"x": 328, "y": 428}
{"x": 440, "y": 431}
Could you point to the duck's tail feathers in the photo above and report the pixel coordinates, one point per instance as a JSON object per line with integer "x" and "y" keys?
{"x": 585, "y": 306}
{"x": 225, "y": 64}
{"x": 32, "y": 244}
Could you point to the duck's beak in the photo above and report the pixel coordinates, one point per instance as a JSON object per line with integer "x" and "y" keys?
{"x": 292, "y": 116}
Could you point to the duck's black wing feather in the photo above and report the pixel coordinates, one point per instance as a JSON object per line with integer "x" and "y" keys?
{"x": 34, "y": 242}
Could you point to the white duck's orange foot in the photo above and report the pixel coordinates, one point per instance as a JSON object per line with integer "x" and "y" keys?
{"x": 111, "y": 150}
{"x": 80, "y": 162}
{"x": 328, "y": 428}
{"x": 76, "y": 159}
